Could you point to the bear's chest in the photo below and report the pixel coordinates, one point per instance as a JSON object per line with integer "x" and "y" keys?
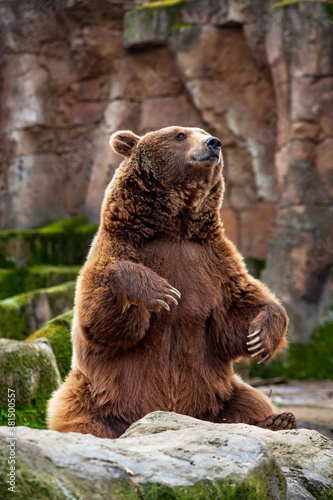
{"x": 192, "y": 269}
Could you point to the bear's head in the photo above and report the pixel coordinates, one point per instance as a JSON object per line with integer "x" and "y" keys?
{"x": 170, "y": 182}
{"x": 173, "y": 155}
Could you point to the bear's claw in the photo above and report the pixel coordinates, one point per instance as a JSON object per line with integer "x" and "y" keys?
{"x": 279, "y": 422}
{"x": 163, "y": 304}
{"x": 165, "y": 299}
{"x": 254, "y": 345}
{"x": 265, "y": 358}
{"x": 170, "y": 297}
{"x": 253, "y": 334}
{"x": 176, "y": 292}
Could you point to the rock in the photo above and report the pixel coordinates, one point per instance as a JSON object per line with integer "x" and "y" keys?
{"x": 65, "y": 242}
{"x": 300, "y": 253}
{"x": 150, "y": 24}
{"x": 216, "y": 12}
{"x": 165, "y": 455}
{"x": 23, "y": 314}
{"x": 230, "y": 223}
{"x": 324, "y": 154}
{"x": 106, "y": 161}
{"x": 30, "y": 369}
{"x": 256, "y": 246}
{"x": 145, "y": 74}
{"x": 15, "y": 281}
{"x": 25, "y": 87}
{"x": 29, "y": 176}
{"x": 58, "y": 332}
{"x": 170, "y": 110}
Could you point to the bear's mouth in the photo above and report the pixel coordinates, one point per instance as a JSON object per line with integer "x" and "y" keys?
{"x": 208, "y": 157}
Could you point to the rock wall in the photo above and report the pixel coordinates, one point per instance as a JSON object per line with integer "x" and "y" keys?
{"x": 74, "y": 71}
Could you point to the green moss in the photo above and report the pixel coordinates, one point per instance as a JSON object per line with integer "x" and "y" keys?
{"x": 252, "y": 488}
{"x": 65, "y": 225}
{"x": 58, "y": 333}
{"x": 18, "y": 316}
{"x": 286, "y": 3}
{"x": 29, "y": 369}
{"x": 15, "y": 319}
{"x": 48, "y": 276}
{"x": 181, "y": 27}
{"x": 35, "y": 481}
{"x": 65, "y": 242}
{"x": 313, "y": 361}
{"x": 328, "y": 9}
{"x": 255, "y": 266}
{"x": 33, "y": 374}
{"x": 11, "y": 282}
{"x": 30, "y": 417}
{"x": 318, "y": 493}
{"x": 16, "y": 281}
{"x": 158, "y": 4}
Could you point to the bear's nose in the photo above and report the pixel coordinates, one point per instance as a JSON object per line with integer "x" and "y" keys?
{"x": 214, "y": 144}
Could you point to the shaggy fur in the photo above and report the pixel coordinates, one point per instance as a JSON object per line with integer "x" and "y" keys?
{"x": 161, "y": 229}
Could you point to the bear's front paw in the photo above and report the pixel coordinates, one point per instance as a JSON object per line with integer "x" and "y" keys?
{"x": 267, "y": 332}
{"x": 135, "y": 284}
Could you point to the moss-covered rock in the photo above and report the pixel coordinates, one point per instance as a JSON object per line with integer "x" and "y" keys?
{"x": 29, "y": 371}
{"x": 312, "y": 361}
{"x": 16, "y": 281}
{"x": 58, "y": 333}
{"x": 199, "y": 461}
{"x": 151, "y": 22}
{"x": 23, "y": 314}
{"x": 65, "y": 242}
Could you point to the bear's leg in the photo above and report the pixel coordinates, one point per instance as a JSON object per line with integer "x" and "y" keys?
{"x": 249, "y": 406}
{"x": 72, "y": 408}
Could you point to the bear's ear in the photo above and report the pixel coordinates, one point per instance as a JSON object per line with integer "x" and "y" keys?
{"x": 123, "y": 142}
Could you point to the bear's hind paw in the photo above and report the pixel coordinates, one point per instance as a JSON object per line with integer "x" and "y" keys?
{"x": 279, "y": 422}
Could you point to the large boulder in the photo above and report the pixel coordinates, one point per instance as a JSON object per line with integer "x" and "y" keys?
{"x": 28, "y": 370}
{"x": 170, "y": 456}
{"x": 23, "y": 314}
{"x": 58, "y": 332}
{"x": 24, "y": 279}
{"x": 65, "y": 242}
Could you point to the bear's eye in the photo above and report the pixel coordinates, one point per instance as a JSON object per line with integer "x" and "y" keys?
{"x": 181, "y": 136}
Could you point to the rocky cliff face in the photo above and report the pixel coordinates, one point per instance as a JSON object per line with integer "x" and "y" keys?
{"x": 74, "y": 71}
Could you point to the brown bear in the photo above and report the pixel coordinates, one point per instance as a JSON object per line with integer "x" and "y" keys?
{"x": 164, "y": 303}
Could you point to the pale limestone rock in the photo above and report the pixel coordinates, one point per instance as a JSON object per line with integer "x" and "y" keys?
{"x": 171, "y": 454}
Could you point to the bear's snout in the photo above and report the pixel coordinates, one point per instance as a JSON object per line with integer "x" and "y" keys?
{"x": 214, "y": 145}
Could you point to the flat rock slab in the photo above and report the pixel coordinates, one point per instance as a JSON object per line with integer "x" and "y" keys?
{"x": 170, "y": 456}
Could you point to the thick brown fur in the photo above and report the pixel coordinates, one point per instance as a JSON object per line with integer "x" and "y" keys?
{"x": 160, "y": 228}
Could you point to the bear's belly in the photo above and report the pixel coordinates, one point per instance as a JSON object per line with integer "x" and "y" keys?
{"x": 175, "y": 348}
{"x": 192, "y": 269}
